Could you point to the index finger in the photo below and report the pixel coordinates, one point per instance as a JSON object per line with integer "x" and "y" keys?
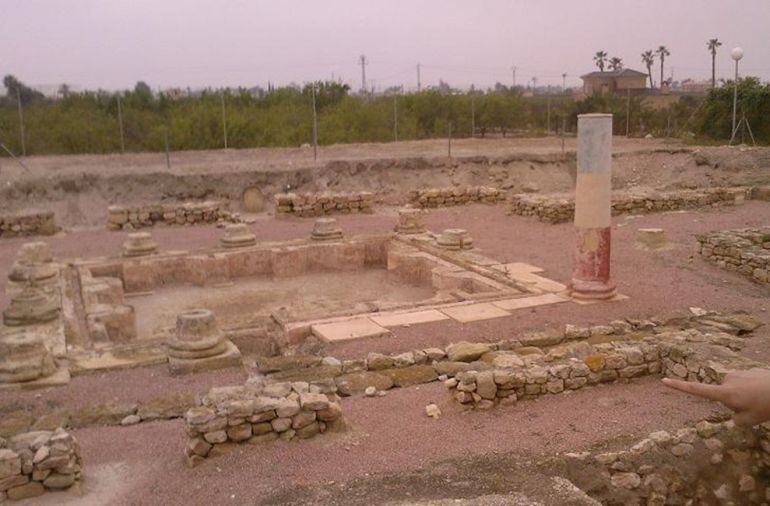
{"x": 713, "y": 392}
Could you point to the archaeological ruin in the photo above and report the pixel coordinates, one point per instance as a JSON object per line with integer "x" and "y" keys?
{"x": 387, "y": 328}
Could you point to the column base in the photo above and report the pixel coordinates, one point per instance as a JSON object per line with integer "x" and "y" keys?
{"x": 592, "y": 290}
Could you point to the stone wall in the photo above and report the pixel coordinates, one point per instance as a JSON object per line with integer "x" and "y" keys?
{"x": 744, "y": 250}
{"x": 185, "y": 213}
{"x": 454, "y": 196}
{"x": 706, "y": 463}
{"x": 34, "y": 462}
{"x": 27, "y": 224}
{"x": 318, "y": 204}
{"x": 560, "y": 209}
{"x": 252, "y": 414}
{"x": 539, "y": 350}
{"x": 693, "y": 353}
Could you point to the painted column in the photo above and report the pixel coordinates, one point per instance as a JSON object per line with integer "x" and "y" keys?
{"x": 591, "y": 273}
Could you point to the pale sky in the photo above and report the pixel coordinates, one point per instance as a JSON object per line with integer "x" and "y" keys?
{"x": 112, "y": 44}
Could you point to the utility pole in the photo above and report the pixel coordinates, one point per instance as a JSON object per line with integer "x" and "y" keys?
{"x": 548, "y": 113}
{"x": 120, "y": 124}
{"x": 21, "y": 123}
{"x": 628, "y": 111}
{"x": 315, "y": 128}
{"x": 168, "y": 155}
{"x": 564, "y": 82}
{"x": 363, "y": 73}
{"x": 395, "y": 118}
{"x": 419, "y": 83}
{"x": 513, "y": 72}
{"x": 449, "y": 140}
{"x": 224, "y": 118}
{"x": 473, "y": 116}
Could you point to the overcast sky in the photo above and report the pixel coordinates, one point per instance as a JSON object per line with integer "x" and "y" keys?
{"x": 112, "y": 44}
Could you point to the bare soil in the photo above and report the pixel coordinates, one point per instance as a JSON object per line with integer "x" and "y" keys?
{"x": 393, "y": 453}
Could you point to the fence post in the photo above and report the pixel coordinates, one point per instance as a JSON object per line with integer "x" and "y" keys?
{"x": 120, "y": 124}
{"x": 224, "y": 118}
{"x": 21, "y": 124}
{"x": 315, "y": 127}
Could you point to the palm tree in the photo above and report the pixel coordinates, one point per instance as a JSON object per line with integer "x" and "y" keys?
{"x": 616, "y": 63}
{"x": 662, "y": 52}
{"x": 712, "y": 45}
{"x": 600, "y": 58}
{"x": 648, "y": 58}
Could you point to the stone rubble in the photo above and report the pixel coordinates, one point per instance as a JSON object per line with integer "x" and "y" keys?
{"x": 710, "y": 462}
{"x": 249, "y": 414}
{"x": 35, "y": 462}
{"x": 28, "y": 223}
{"x": 318, "y": 204}
{"x": 454, "y": 196}
{"x": 746, "y": 251}
{"x": 186, "y": 213}
{"x": 561, "y": 208}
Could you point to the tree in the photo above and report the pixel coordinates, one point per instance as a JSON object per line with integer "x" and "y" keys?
{"x": 662, "y": 52}
{"x": 712, "y": 45}
{"x": 16, "y": 89}
{"x": 616, "y": 63}
{"x": 600, "y": 58}
{"x": 648, "y": 58}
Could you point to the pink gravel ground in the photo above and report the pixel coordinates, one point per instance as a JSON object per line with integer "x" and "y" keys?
{"x": 392, "y": 434}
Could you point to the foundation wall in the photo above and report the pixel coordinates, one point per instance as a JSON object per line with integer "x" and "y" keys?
{"x": 706, "y": 463}
{"x": 556, "y": 209}
{"x": 232, "y": 415}
{"x": 36, "y": 462}
{"x": 318, "y": 204}
{"x": 746, "y": 251}
{"x": 28, "y": 224}
{"x": 454, "y": 196}
{"x": 187, "y": 213}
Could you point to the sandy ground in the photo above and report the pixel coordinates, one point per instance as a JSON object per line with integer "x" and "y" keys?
{"x": 292, "y": 158}
{"x": 393, "y": 451}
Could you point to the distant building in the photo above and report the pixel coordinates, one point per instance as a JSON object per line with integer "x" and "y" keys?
{"x": 614, "y": 81}
{"x": 693, "y": 86}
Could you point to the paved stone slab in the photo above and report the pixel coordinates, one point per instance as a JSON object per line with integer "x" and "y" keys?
{"x": 525, "y": 274}
{"x": 349, "y": 329}
{"x": 524, "y": 302}
{"x": 475, "y": 312}
{"x": 398, "y": 319}
{"x": 617, "y": 298}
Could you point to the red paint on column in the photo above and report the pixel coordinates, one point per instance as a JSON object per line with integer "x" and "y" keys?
{"x": 591, "y": 275}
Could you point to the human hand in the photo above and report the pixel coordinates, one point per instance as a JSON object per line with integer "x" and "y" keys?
{"x": 745, "y": 392}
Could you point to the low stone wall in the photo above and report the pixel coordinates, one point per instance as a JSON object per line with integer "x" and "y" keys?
{"x": 318, "y": 204}
{"x": 187, "y": 213}
{"x": 561, "y": 208}
{"x": 745, "y": 250}
{"x": 538, "y": 349}
{"x": 250, "y": 414}
{"x": 28, "y": 224}
{"x": 454, "y": 196}
{"x": 707, "y": 463}
{"x": 34, "y": 462}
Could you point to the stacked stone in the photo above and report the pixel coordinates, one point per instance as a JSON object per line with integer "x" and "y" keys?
{"x": 561, "y": 208}
{"x": 139, "y": 244}
{"x": 34, "y": 264}
{"x": 426, "y": 365}
{"x": 238, "y": 236}
{"x": 410, "y": 222}
{"x": 454, "y": 196}
{"x": 454, "y": 239}
{"x": 249, "y": 414}
{"x": 28, "y": 223}
{"x": 326, "y": 229}
{"x": 35, "y": 462}
{"x": 187, "y": 213}
{"x": 690, "y": 354}
{"x": 199, "y": 345}
{"x": 318, "y": 204}
{"x": 24, "y": 357}
{"x": 746, "y": 251}
{"x": 31, "y": 306}
{"x": 706, "y": 463}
